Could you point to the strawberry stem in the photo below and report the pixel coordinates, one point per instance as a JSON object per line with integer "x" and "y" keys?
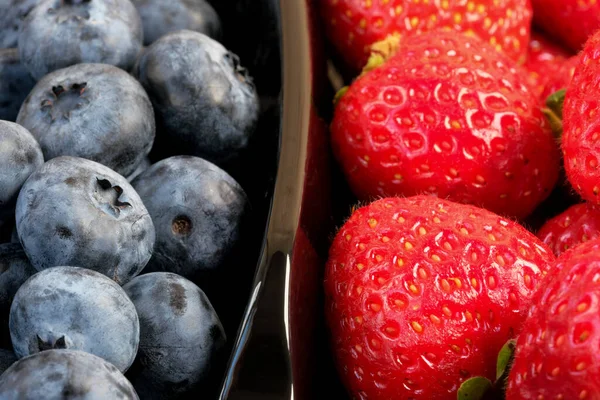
{"x": 554, "y": 112}
{"x": 340, "y": 93}
{"x": 556, "y": 101}
{"x": 381, "y": 51}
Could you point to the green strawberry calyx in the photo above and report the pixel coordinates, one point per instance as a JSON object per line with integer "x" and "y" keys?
{"x": 340, "y": 93}
{"x": 479, "y": 387}
{"x": 475, "y": 388}
{"x": 381, "y": 51}
{"x": 554, "y": 111}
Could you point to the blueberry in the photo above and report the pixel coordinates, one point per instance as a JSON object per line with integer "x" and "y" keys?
{"x": 197, "y": 210}
{"x": 7, "y": 358}
{"x": 60, "y": 33}
{"x": 93, "y": 111}
{"x": 12, "y": 14}
{"x": 180, "y": 335}
{"x": 73, "y": 211}
{"x": 259, "y": 45}
{"x": 15, "y": 83}
{"x": 20, "y": 155}
{"x": 15, "y": 269}
{"x": 75, "y": 308}
{"x": 160, "y": 17}
{"x": 14, "y": 237}
{"x": 144, "y": 165}
{"x": 205, "y": 102}
{"x": 64, "y": 375}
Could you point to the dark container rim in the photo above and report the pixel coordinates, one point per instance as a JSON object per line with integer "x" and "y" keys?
{"x": 271, "y": 281}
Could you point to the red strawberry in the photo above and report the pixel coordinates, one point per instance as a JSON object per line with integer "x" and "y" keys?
{"x": 422, "y": 293}
{"x": 581, "y": 122}
{"x": 576, "y": 225}
{"x": 557, "y": 352}
{"x": 544, "y": 58}
{"x": 571, "y": 22}
{"x": 560, "y": 78}
{"x": 354, "y": 25}
{"x": 446, "y": 115}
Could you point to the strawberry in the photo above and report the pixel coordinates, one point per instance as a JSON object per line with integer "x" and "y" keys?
{"x": 422, "y": 293}
{"x": 354, "y": 25}
{"x": 560, "y": 77}
{"x": 581, "y": 124}
{"x": 570, "y": 22}
{"x": 450, "y": 116}
{"x": 578, "y": 224}
{"x": 544, "y": 58}
{"x": 557, "y": 354}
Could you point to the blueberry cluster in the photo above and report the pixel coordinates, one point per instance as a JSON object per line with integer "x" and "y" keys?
{"x": 119, "y": 120}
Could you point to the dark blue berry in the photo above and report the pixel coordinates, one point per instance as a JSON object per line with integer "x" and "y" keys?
{"x": 15, "y": 84}
{"x": 12, "y": 14}
{"x": 160, "y": 17}
{"x": 15, "y": 269}
{"x": 64, "y": 375}
{"x": 73, "y": 211}
{"x": 204, "y": 99}
{"x": 197, "y": 210}
{"x": 93, "y": 111}
{"x": 60, "y": 33}
{"x": 7, "y": 358}
{"x": 20, "y": 155}
{"x": 144, "y": 165}
{"x": 181, "y": 336}
{"x": 78, "y": 309}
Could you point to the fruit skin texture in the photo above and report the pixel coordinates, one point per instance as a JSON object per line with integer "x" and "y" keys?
{"x": 60, "y": 33}
{"x": 446, "y": 115}
{"x": 73, "y": 211}
{"x": 93, "y": 111}
{"x": 20, "y": 156}
{"x": 15, "y": 270}
{"x": 78, "y": 309}
{"x": 12, "y": 14}
{"x": 204, "y": 99}
{"x": 544, "y": 58}
{"x": 581, "y": 122}
{"x": 15, "y": 84}
{"x": 64, "y": 374}
{"x": 162, "y": 17}
{"x": 570, "y": 22}
{"x": 560, "y": 78}
{"x": 557, "y": 348}
{"x": 422, "y": 293}
{"x": 576, "y": 225}
{"x": 7, "y": 358}
{"x": 353, "y": 25}
{"x": 197, "y": 210}
{"x": 180, "y": 338}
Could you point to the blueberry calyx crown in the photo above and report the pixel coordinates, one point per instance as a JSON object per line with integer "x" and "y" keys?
{"x": 60, "y": 343}
{"x": 182, "y": 225}
{"x": 240, "y": 72}
{"x": 114, "y": 193}
{"x": 64, "y": 101}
